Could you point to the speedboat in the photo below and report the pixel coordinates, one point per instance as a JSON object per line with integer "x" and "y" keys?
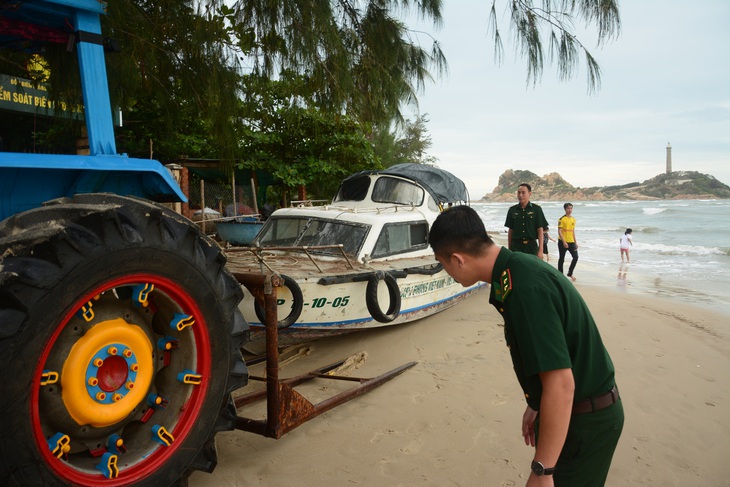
{"x": 360, "y": 262}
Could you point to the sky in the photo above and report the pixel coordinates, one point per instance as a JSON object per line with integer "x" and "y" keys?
{"x": 665, "y": 79}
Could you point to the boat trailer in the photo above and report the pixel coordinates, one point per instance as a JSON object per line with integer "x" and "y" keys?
{"x": 286, "y": 408}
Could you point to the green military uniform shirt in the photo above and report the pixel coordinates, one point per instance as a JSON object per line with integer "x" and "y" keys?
{"x": 548, "y": 326}
{"x": 524, "y": 223}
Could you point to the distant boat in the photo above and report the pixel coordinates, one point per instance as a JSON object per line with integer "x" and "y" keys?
{"x": 362, "y": 261}
{"x": 239, "y": 230}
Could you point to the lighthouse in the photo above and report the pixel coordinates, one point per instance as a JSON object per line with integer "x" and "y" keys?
{"x": 669, "y": 158}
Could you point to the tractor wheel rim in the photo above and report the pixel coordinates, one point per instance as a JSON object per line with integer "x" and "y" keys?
{"x": 92, "y": 390}
{"x": 148, "y": 357}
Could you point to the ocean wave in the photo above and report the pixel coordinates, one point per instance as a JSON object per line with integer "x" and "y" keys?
{"x": 603, "y": 244}
{"x": 647, "y": 230}
{"x": 663, "y": 249}
{"x": 600, "y": 204}
{"x": 489, "y": 212}
{"x": 653, "y": 210}
{"x": 619, "y": 230}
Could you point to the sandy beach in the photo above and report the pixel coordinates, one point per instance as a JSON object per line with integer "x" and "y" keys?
{"x": 454, "y": 419}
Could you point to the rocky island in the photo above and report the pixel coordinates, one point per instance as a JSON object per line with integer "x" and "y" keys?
{"x": 667, "y": 186}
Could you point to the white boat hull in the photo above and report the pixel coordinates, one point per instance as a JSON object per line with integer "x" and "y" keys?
{"x": 341, "y": 308}
{"x": 362, "y": 262}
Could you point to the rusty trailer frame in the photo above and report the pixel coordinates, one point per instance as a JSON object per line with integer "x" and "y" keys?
{"x": 286, "y": 409}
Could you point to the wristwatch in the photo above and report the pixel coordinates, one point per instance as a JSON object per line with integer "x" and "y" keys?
{"x": 540, "y": 470}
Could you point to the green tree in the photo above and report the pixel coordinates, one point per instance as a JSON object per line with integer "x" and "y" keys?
{"x": 299, "y": 144}
{"x": 358, "y": 56}
{"x": 407, "y": 142}
{"x": 187, "y": 133}
{"x": 175, "y": 62}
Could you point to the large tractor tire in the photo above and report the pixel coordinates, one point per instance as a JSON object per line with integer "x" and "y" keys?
{"x": 120, "y": 342}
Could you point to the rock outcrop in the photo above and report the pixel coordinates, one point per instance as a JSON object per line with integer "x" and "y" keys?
{"x": 552, "y": 187}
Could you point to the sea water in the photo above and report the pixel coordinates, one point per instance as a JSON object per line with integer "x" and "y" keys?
{"x": 681, "y": 248}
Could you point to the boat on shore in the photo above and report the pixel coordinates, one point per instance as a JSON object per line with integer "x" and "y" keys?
{"x": 360, "y": 262}
{"x": 241, "y": 230}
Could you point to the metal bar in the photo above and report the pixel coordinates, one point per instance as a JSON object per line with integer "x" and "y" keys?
{"x": 255, "y": 199}
{"x": 252, "y": 397}
{"x": 342, "y": 251}
{"x": 299, "y": 248}
{"x": 305, "y": 249}
{"x": 340, "y": 377}
{"x": 286, "y": 409}
{"x": 364, "y": 387}
{"x": 95, "y": 89}
{"x": 233, "y": 188}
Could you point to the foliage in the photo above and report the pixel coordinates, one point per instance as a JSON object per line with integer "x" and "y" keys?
{"x": 297, "y": 143}
{"x": 183, "y": 72}
{"x": 175, "y": 67}
{"x": 360, "y": 57}
{"x": 406, "y": 144}
{"x": 556, "y": 20}
{"x": 188, "y": 134}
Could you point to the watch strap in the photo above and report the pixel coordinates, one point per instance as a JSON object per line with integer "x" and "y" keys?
{"x": 539, "y": 469}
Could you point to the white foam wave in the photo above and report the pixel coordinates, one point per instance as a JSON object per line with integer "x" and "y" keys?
{"x": 618, "y": 230}
{"x": 612, "y": 203}
{"x": 653, "y": 210}
{"x": 679, "y": 249}
{"x": 602, "y": 244}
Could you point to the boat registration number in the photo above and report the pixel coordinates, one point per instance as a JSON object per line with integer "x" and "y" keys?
{"x": 338, "y": 302}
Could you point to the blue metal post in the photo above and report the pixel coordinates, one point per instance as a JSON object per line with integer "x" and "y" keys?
{"x": 99, "y": 124}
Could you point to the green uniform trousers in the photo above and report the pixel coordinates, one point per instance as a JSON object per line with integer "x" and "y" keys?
{"x": 588, "y": 450}
{"x": 524, "y": 246}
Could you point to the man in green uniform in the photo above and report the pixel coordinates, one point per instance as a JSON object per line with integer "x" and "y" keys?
{"x": 525, "y": 221}
{"x": 574, "y": 416}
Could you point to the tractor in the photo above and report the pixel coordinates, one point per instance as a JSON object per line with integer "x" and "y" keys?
{"x": 120, "y": 333}
{"x": 118, "y": 321}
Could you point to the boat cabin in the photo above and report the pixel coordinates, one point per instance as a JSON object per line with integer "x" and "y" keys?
{"x": 375, "y": 215}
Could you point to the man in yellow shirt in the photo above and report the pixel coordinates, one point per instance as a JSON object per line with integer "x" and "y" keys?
{"x": 566, "y": 239}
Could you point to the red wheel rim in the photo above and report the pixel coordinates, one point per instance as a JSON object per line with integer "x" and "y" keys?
{"x": 156, "y": 456}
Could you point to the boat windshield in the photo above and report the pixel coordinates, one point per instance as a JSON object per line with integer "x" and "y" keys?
{"x": 293, "y": 232}
{"x": 399, "y": 191}
{"x": 386, "y": 190}
{"x": 353, "y": 189}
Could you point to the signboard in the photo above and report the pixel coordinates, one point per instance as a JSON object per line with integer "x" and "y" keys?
{"x": 20, "y": 94}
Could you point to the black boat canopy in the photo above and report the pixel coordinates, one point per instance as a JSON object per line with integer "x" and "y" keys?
{"x": 443, "y": 186}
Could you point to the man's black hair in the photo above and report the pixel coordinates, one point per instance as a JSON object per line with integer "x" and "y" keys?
{"x": 529, "y": 188}
{"x": 458, "y": 229}
{"x": 566, "y": 205}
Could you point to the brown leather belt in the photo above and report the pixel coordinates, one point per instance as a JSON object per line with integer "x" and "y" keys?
{"x": 596, "y": 403}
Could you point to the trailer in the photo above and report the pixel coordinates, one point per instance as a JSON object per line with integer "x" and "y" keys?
{"x": 120, "y": 333}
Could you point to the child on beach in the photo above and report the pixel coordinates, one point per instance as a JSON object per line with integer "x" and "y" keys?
{"x": 545, "y": 238}
{"x": 626, "y": 242}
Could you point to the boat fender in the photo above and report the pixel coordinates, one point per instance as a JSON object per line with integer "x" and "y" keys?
{"x": 371, "y": 297}
{"x": 425, "y": 270}
{"x": 296, "y": 308}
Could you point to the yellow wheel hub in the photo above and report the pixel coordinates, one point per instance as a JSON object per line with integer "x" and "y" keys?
{"x": 107, "y": 373}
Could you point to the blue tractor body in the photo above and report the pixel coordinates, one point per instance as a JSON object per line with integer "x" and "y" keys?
{"x": 27, "y": 180}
